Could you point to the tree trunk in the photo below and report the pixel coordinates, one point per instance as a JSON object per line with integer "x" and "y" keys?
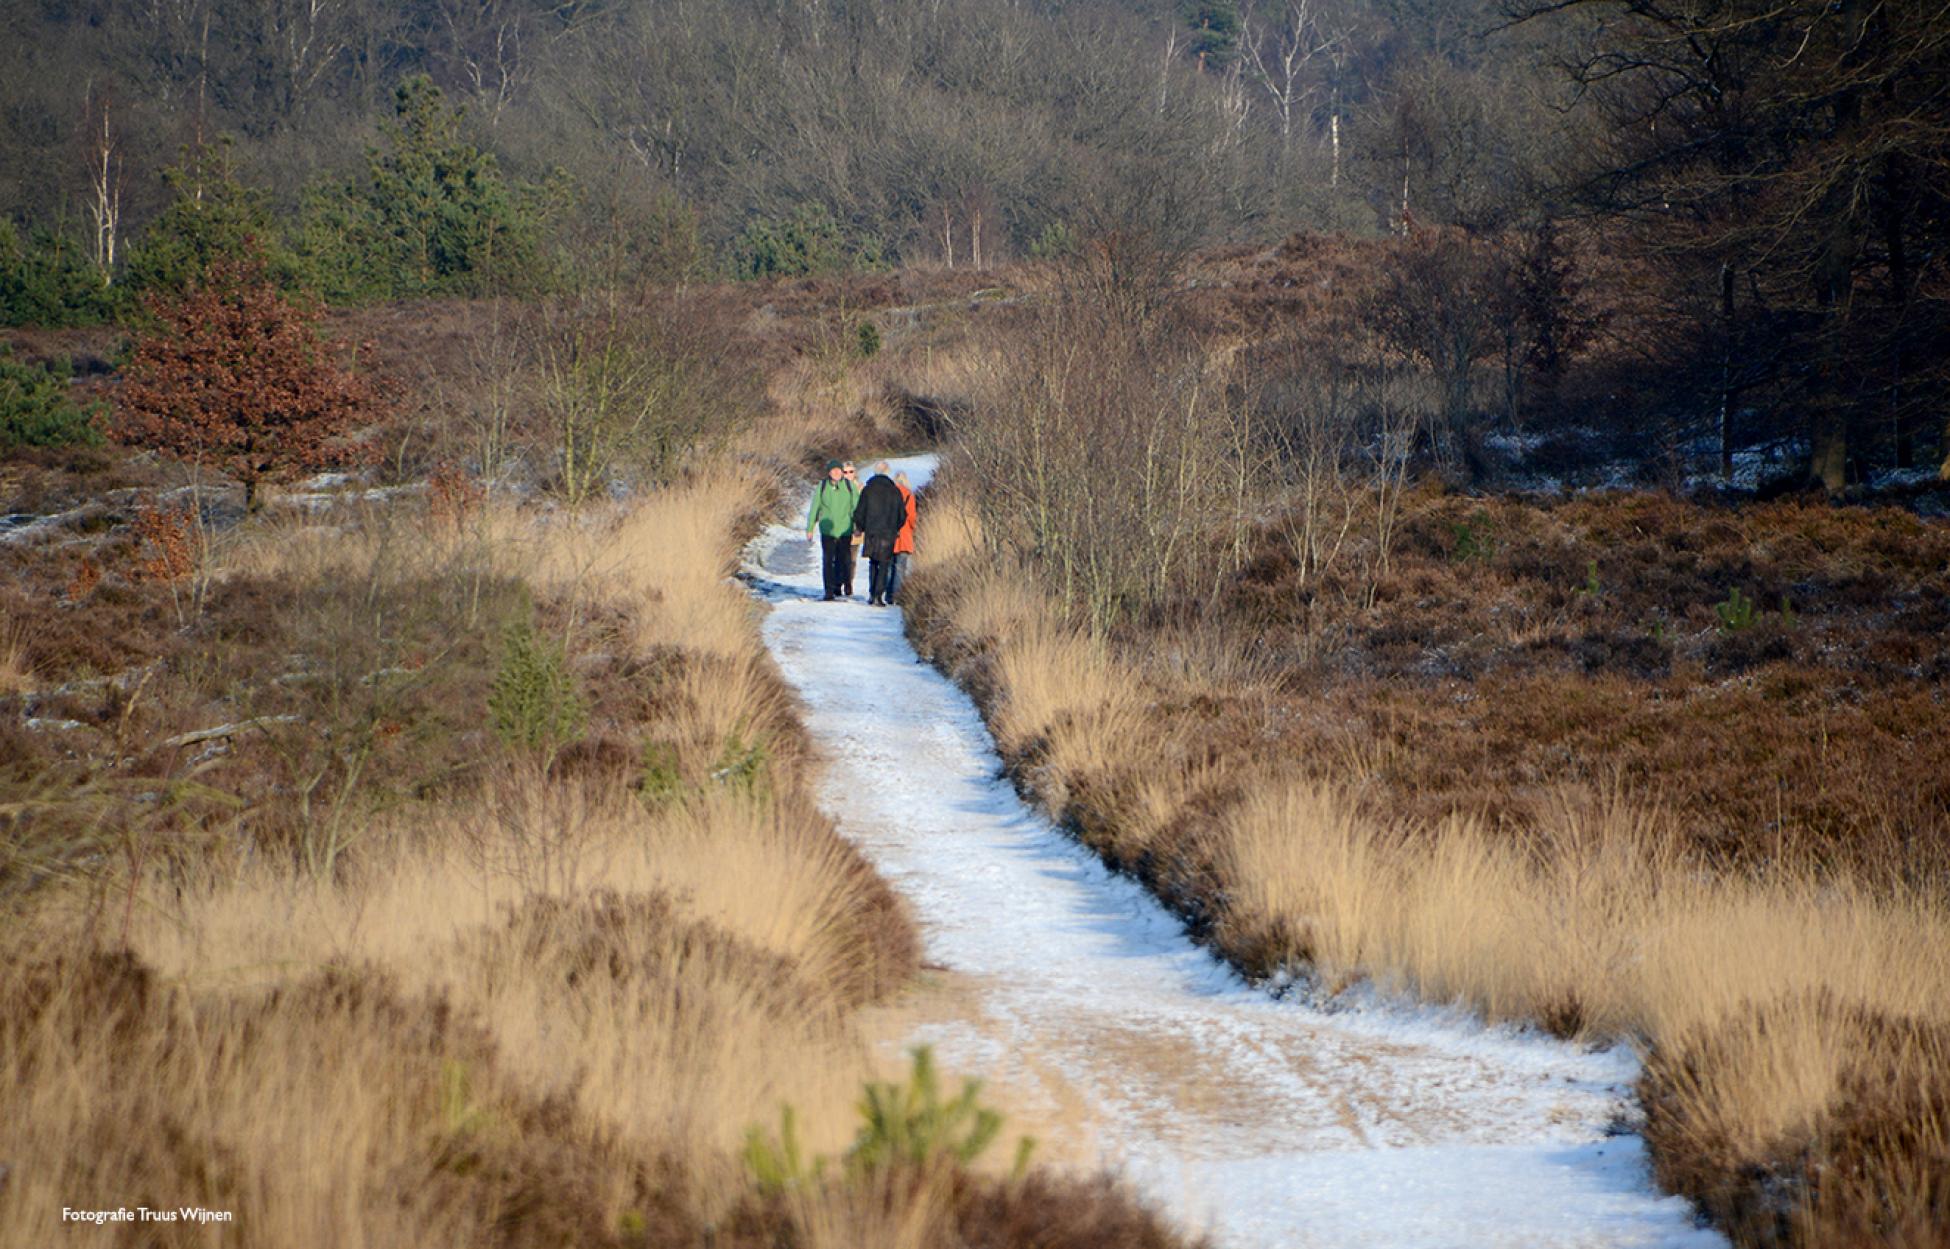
{"x": 1828, "y": 459}
{"x": 1726, "y": 373}
{"x": 1895, "y": 243}
{"x": 1828, "y": 425}
{"x": 1834, "y": 273}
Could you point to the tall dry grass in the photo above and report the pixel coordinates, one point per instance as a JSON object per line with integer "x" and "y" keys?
{"x": 1797, "y": 1019}
{"x": 16, "y": 673}
{"x": 1598, "y": 922}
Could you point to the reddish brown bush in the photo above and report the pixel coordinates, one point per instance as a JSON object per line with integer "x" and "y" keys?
{"x": 234, "y": 375}
{"x": 453, "y": 496}
{"x": 168, "y": 544}
{"x": 87, "y": 575}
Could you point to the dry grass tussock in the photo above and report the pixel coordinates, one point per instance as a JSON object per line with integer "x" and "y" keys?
{"x": 673, "y": 975}
{"x": 16, "y": 673}
{"x": 1598, "y": 923}
{"x": 1797, "y": 1015}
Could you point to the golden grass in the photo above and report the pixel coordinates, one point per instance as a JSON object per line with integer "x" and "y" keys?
{"x": 666, "y": 1047}
{"x": 1606, "y": 915}
{"x": 887, "y": 1212}
{"x": 669, "y": 554}
{"x": 1605, "y": 930}
{"x": 954, "y": 528}
{"x": 955, "y": 367}
{"x": 285, "y": 1111}
{"x": 16, "y": 674}
{"x": 826, "y": 407}
{"x": 675, "y": 551}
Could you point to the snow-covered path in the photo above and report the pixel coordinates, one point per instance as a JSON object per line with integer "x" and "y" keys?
{"x": 1117, "y": 1041}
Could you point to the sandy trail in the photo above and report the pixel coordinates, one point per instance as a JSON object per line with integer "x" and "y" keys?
{"x": 1118, "y": 1042}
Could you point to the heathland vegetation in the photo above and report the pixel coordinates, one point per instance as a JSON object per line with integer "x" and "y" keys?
{"x": 422, "y": 851}
{"x": 409, "y": 864}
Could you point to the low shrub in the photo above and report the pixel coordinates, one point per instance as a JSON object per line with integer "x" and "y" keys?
{"x": 47, "y": 279}
{"x": 534, "y": 705}
{"x": 37, "y": 408}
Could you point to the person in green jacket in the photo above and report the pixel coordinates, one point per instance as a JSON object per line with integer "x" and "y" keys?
{"x": 830, "y": 519}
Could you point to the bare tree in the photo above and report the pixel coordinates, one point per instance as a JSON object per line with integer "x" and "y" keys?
{"x": 104, "y": 182}
{"x": 487, "y": 43}
{"x": 1313, "y": 432}
{"x": 1443, "y": 303}
{"x": 1280, "y": 49}
{"x": 625, "y": 389}
{"x": 1122, "y": 464}
{"x": 309, "y": 39}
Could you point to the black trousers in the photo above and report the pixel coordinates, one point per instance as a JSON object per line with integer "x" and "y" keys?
{"x": 836, "y": 563}
{"x": 852, "y": 558}
{"x": 880, "y": 579}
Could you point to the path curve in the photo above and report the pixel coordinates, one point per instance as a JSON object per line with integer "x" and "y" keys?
{"x": 1120, "y": 1043}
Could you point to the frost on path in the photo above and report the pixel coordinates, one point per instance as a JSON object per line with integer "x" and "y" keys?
{"x": 1118, "y": 1042}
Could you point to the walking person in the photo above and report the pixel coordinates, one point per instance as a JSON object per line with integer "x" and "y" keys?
{"x": 903, "y": 541}
{"x": 879, "y": 517}
{"x": 830, "y": 519}
{"x": 852, "y": 552}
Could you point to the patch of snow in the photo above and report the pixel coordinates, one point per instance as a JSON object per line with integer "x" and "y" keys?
{"x": 1753, "y": 467}
{"x": 37, "y": 722}
{"x": 24, "y": 527}
{"x": 316, "y": 501}
{"x": 1514, "y": 443}
{"x": 1904, "y": 478}
{"x": 1269, "y": 1121}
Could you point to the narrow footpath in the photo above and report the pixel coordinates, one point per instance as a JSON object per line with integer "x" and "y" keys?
{"x": 1120, "y": 1044}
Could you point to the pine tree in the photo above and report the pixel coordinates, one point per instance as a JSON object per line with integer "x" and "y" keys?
{"x": 212, "y": 216}
{"x": 433, "y": 216}
{"x": 1215, "y": 27}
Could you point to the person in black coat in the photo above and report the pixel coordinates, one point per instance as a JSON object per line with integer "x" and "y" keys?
{"x": 879, "y": 515}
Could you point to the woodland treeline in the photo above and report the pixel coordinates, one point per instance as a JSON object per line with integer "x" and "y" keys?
{"x": 1741, "y": 204}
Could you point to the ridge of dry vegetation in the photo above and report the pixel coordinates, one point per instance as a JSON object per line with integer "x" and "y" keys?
{"x": 325, "y": 908}
{"x": 1626, "y": 766}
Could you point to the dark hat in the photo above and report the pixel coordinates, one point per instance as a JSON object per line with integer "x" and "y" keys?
{"x": 832, "y": 464}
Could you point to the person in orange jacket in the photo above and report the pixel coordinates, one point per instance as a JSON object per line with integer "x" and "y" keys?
{"x": 904, "y": 540}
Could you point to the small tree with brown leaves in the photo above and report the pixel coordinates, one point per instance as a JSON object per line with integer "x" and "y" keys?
{"x": 233, "y": 376}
